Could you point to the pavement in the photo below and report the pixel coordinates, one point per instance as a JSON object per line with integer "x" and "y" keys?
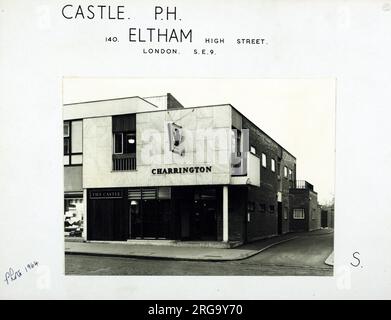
{"x": 131, "y": 250}
{"x": 330, "y": 260}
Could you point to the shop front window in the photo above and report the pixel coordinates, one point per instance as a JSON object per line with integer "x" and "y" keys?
{"x": 73, "y": 217}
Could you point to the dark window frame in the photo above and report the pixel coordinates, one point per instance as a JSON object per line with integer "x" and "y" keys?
{"x": 124, "y": 142}
{"x": 296, "y": 210}
{"x": 255, "y": 149}
{"x": 115, "y": 144}
{"x": 126, "y": 159}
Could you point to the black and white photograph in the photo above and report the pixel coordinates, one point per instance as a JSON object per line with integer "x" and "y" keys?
{"x": 208, "y": 151}
{"x": 214, "y": 177}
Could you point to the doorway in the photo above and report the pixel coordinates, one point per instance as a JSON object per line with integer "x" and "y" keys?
{"x": 204, "y": 218}
{"x": 204, "y": 224}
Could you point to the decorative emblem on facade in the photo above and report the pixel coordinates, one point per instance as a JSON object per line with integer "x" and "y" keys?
{"x": 176, "y": 138}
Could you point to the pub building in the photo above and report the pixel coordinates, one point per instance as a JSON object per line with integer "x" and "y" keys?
{"x": 148, "y": 168}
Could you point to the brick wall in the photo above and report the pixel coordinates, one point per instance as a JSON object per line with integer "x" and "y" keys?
{"x": 265, "y": 224}
{"x": 299, "y": 200}
{"x": 263, "y": 221}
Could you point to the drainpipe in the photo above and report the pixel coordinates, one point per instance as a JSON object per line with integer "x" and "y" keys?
{"x": 225, "y": 213}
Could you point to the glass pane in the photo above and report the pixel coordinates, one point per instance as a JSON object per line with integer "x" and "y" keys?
{"x": 117, "y": 143}
{"x": 264, "y": 160}
{"x": 66, "y": 146}
{"x": 130, "y": 143}
{"x": 77, "y": 136}
{"x": 66, "y": 129}
{"x": 77, "y": 159}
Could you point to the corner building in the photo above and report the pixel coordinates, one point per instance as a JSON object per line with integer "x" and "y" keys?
{"x": 148, "y": 168}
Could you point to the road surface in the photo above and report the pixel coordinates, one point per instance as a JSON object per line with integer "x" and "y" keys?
{"x": 302, "y": 256}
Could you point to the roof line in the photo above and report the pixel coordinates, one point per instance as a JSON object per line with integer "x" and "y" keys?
{"x": 159, "y": 96}
{"x": 209, "y": 105}
{"x": 112, "y": 99}
{"x": 224, "y": 104}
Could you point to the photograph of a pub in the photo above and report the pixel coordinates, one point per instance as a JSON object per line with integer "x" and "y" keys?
{"x": 149, "y": 169}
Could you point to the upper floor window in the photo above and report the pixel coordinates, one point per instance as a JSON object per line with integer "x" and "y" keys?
{"x": 118, "y": 143}
{"x": 264, "y": 160}
{"x": 66, "y": 137}
{"x": 73, "y": 142}
{"x": 285, "y": 172}
{"x": 253, "y": 150}
{"x": 236, "y": 141}
{"x": 298, "y": 214}
{"x": 273, "y": 165}
{"x": 124, "y": 142}
{"x": 290, "y": 174}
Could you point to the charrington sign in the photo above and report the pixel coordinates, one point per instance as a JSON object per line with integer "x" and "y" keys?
{"x": 199, "y": 169}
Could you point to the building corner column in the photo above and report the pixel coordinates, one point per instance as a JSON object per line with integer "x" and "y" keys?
{"x": 84, "y": 234}
{"x": 225, "y": 214}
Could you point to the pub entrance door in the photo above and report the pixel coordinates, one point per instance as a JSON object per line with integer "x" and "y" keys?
{"x": 204, "y": 218}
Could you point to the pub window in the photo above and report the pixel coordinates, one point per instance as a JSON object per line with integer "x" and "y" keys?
{"x": 118, "y": 143}
{"x": 236, "y": 141}
{"x": 130, "y": 143}
{"x": 298, "y": 214}
{"x": 263, "y": 160}
{"x": 285, "y": 172}
{"x": 271, "y": 208}
{"x": 124, "y": 142}
{"x": 253, "y": 150}
{"x": 73, "y": 142}
{"x": 273, "y": 165}
{"x": 290, "y": 174}
{"x": 262, "y": 207}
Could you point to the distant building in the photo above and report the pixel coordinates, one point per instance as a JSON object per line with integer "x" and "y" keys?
{"x": 304, "y": 209}
{"x": 327, "y": 216}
